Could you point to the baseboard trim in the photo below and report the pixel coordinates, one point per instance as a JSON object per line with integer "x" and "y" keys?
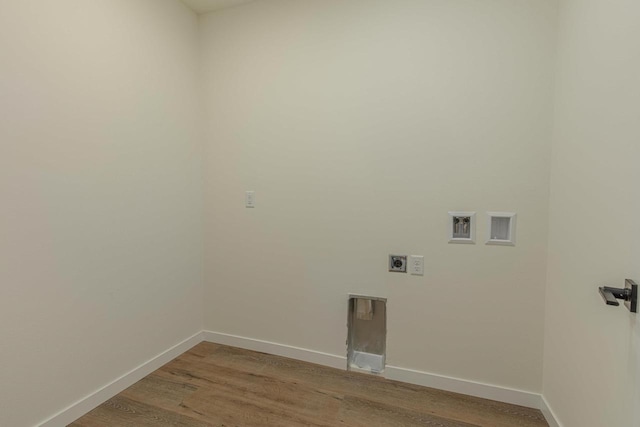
{"x": 486, "y": 391}
{"x": 95, "y": 399}
{"x": 470, "y": 388}
{"x": 549, "y": 415}
{"x": 303, "y": 354}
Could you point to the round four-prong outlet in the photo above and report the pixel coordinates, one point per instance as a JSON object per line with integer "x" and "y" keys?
{"x": 398, "y": 263}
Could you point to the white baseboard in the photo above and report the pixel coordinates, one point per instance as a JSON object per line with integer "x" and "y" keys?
{"x": 486, "y": 391}
{"x": 311, "y": 356}
{"x": 470, "y": 388}
{"x": 550, "y": 416}
{"x": 95, "y": 399}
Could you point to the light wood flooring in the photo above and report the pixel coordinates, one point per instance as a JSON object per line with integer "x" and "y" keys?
{"x": 214, "y": 385}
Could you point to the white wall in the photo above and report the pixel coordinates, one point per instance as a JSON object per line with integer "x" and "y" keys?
{"x": 592, "y": 351}
{"x": 359, "y": 124}
{"x": 100, "y": 195}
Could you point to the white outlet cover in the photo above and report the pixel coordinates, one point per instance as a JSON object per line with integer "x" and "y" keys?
{"x": 416, "y": 265}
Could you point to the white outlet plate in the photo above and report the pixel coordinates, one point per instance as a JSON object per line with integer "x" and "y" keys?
{"x": 416, "y": 265}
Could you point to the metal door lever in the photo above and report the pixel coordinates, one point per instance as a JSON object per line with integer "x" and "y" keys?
{"x": 629, "y": 294}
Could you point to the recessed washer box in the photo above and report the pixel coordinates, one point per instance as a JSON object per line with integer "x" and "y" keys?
{"x": 462, "y": 227}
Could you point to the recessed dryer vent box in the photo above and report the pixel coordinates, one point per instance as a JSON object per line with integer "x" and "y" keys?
{"x": 501, "y": 228}
{"x": 367, "y": 329}
{"x": 462, "y": 227}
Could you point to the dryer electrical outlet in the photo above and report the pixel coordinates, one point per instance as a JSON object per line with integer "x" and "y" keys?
{"x": 398, "y": 263}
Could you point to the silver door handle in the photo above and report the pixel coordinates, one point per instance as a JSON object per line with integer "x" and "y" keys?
{"x": 629, "y": 294}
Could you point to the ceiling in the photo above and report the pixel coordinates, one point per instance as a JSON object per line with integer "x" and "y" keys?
{"x": 204, "y": 6}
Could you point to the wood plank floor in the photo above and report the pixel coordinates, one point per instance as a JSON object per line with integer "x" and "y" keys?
{"x": 214, "y": 385}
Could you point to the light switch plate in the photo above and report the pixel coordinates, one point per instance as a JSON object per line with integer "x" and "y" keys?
{"x": 250, "y": 199}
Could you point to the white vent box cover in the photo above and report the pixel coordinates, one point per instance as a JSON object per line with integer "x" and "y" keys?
{"x": 501, "y": 228}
